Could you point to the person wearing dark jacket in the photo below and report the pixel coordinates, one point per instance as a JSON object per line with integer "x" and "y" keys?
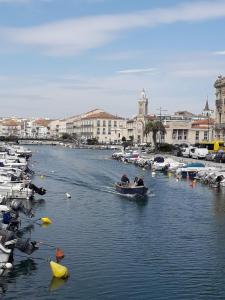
{"x": 125, "y": 179}
{"x": 140, "y": 182}
{"x": 135, "y": 180}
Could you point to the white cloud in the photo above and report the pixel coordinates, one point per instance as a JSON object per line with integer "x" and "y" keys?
{"x": 219, "y": 53}
{"x": 73, "y": 36}
{"x": 137, "y": 71}
{"x": 179, "y": 83}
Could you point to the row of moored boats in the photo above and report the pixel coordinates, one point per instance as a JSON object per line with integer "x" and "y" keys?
{"x": 16, "y": 194}
{"x": 213, "y": 175}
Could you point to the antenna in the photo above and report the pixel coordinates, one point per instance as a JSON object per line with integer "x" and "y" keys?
{"x": 160, "y": 112}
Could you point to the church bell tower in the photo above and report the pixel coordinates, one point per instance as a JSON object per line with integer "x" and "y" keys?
{"x": 143, "y": 104}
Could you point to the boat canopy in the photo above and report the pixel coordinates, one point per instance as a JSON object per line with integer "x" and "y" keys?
{"x": 194, "y": 165}
{"x": 159, "y": 159}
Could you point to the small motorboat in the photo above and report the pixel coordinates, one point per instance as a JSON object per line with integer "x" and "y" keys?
{"x": 131, "y": 189}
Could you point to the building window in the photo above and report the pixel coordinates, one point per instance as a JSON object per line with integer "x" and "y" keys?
{"x": 104, "y": 124}
{"x": 98, "y": 123}
{"x": 185, "y": 134}
{"x": 174, "y": 135}
{"x": 205, "y": 135}
{"x": 98, "y": 130}
{"x": 197, "y": 135}
{"x": 103, "y": 131}
{"x": 180, "y": 131}
{"x": 115, "y": 123}
{"x": 109, "y": 123}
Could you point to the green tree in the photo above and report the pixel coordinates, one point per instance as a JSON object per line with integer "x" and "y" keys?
{"x": 124, "y": 143}
{"x": 154, "y": 127}
{"x": 66, "y": 136}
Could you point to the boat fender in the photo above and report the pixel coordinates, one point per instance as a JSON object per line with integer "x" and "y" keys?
{"x": 8, "y": 266}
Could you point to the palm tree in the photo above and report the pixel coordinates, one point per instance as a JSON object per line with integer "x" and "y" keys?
{"x": 154, "y": 127}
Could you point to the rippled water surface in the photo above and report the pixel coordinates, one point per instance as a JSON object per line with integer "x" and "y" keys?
{"x": 170, "y": 246}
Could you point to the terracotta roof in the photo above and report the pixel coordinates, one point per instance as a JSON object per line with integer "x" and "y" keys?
{"x": 10, "y": 123}
{"x": 102, "y": 115}
{"x": 203, "y": 122}
{"x": 42, "y": 122}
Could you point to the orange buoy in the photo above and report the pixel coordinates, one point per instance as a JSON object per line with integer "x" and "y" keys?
{"x": 59, "y": 254}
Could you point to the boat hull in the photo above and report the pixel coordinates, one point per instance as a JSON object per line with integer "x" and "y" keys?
{"x": 127, "y": 190}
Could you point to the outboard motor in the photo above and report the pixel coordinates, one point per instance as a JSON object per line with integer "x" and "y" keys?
{"x": 40, "y": 191}
{"x": 6, "y": 236}
{"x": 8, "y": 240}
{"x": 17, "y": 206}
{"x": 28, "y": 170}
{"x": 26, "y": 245}
{"x": 10, "y": 221}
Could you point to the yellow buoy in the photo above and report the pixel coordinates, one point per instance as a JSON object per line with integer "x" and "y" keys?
{"x": 46, "y": 220}
{"x": 59, "y": 271}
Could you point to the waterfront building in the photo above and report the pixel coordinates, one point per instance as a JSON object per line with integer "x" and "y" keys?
{"x": 10, "y": 127}
{"x": 94, "y": 124}
{"x": 57, "y": 128}
{"x": 188, "y": 131}
{"x": 41, "y": 129}
{"x": 34, "y": 128}
{"x": 220, "y": 108}
{"x": 101, "y": 125}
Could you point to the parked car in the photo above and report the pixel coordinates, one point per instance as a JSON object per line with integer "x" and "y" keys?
{"x": 177, "y": 151}
{"x": 210, "y": 156}
{"x": 220, "y": 157}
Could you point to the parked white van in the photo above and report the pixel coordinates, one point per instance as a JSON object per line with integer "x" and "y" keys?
{"x": 199, "y": 153}
{"x": 186, "y": 152}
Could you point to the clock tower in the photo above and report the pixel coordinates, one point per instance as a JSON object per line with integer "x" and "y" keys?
{"x": 143, "y": 104}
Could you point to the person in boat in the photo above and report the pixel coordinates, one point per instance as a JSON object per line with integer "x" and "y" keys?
{"x": 125, "y": 180}
{"x": 140, "y": 182}
{"x": 135, "y": 180}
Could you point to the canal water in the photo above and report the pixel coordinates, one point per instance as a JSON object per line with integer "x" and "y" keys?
{"x": 170, "y": 246}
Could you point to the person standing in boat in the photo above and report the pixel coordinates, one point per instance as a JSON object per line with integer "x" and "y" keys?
{"x": 125, "y": 180}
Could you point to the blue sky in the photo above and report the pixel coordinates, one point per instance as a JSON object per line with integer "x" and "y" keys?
{"x": 63, "y": 57}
